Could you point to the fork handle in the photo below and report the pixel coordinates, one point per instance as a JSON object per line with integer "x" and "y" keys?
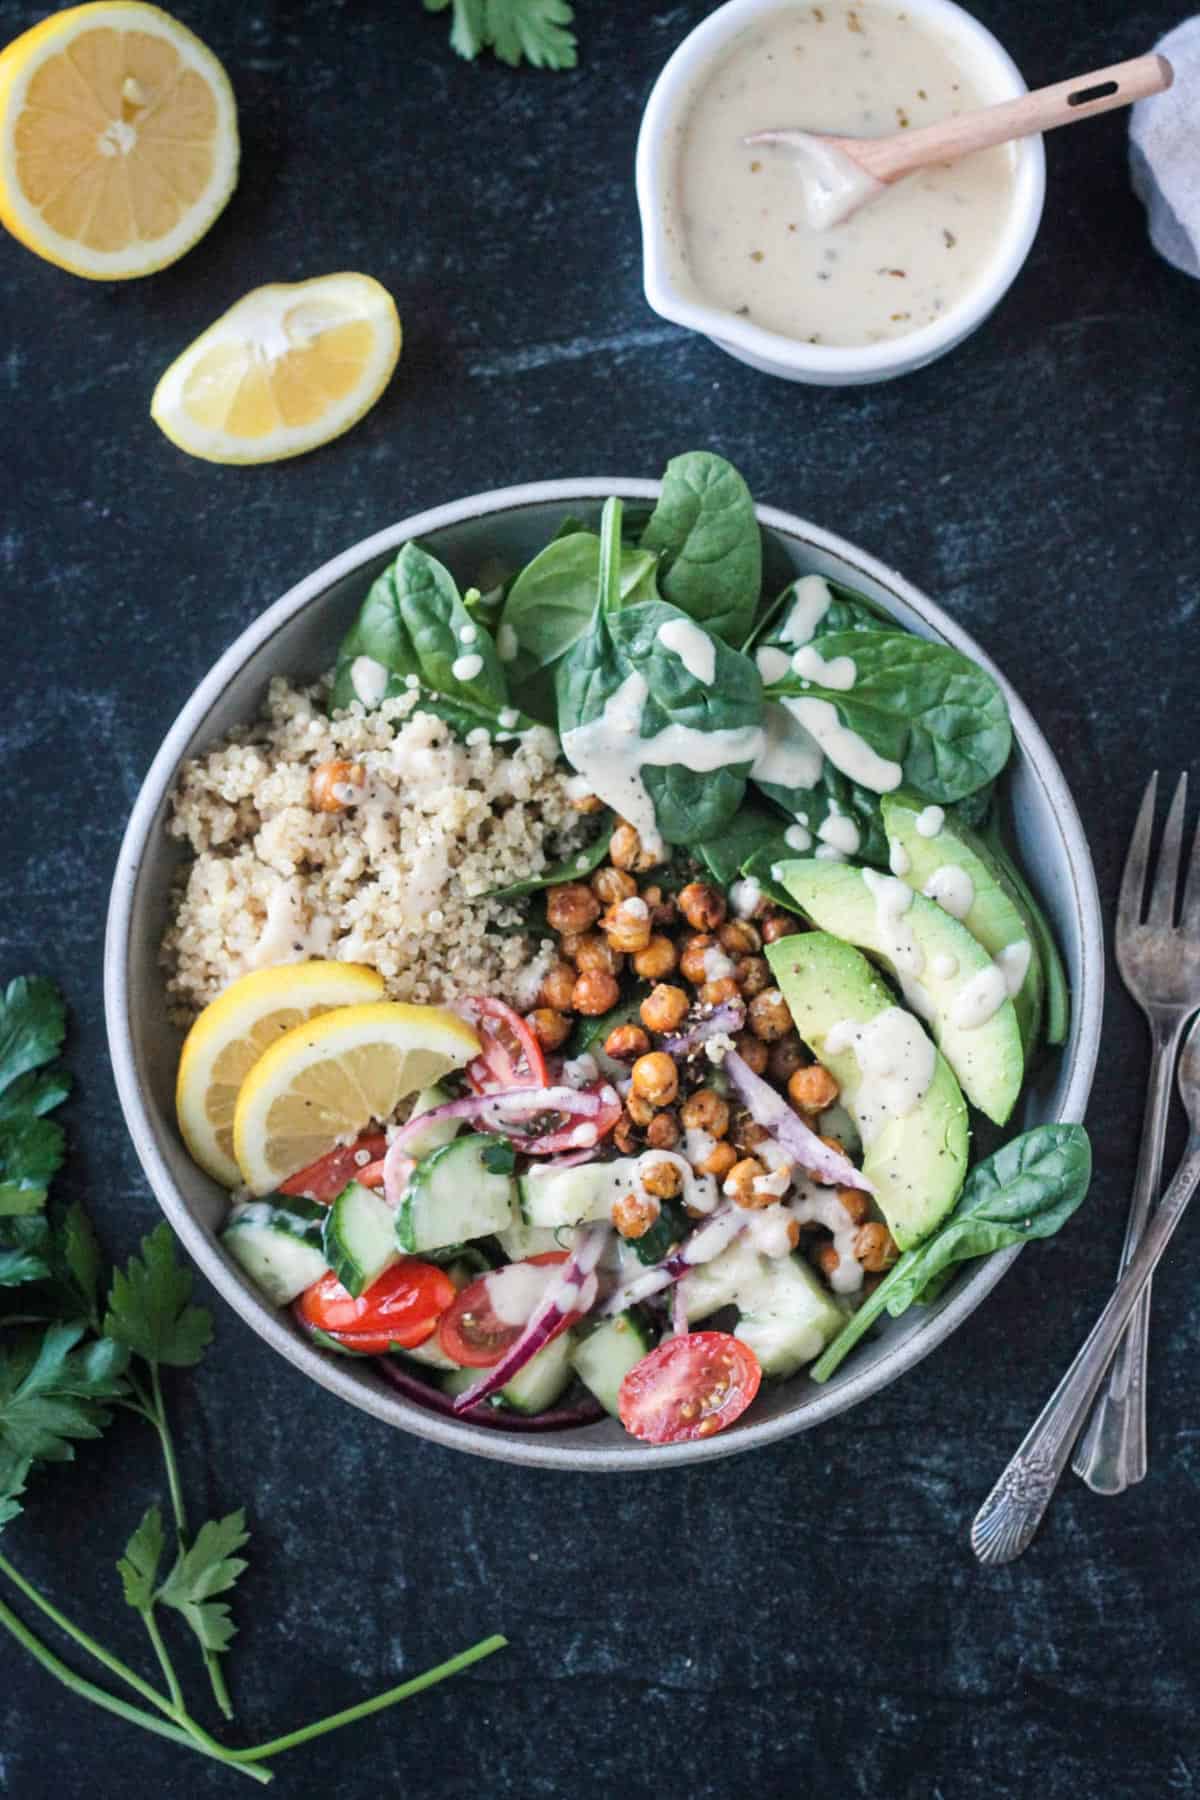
{"x": 1005, "y": 1524}
{"x": 1111, "y": 1456}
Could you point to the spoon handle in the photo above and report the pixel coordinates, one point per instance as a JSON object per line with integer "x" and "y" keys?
{"x": 1100, "y": 91}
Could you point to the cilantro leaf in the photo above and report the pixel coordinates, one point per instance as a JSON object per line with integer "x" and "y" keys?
{"x": 50, "y": 1393}
{"x": 33, "y": 1022}
{"x": 31, "y": 1150}
{"x": 538, "y": 30}
{"x": 209, "y": 1567}
{"x": 138, "y": 1568}
{"x": 148, "y": 1308}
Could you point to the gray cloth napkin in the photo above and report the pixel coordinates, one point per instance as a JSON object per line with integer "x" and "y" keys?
{"x": 1164, "y": 152}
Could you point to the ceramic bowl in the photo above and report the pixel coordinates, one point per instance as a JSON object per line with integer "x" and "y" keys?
{"x": 997, "y": 77}
{"x": 298, "y": 636}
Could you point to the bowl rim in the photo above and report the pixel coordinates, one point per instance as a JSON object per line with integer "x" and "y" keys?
{"x": 897, "y": 355}
{"x": 372, "y": 1395}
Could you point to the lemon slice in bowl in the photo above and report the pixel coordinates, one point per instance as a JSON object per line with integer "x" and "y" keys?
{"x": 118, "y": 139}
{"x": 230, "y": 1035}
{"x": 324, "y": 1082}
{"x": 287, "y": 368}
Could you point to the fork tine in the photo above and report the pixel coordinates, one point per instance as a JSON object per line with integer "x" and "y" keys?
{"x": 1137, "y": 860}
{"x": 1161, "y": 911}
{"x": 1190, "y": 916}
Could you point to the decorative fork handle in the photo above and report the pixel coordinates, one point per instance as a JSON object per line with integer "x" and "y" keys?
{"x": 1009, "y": 1517}
{"x": 1112, "y": 1453}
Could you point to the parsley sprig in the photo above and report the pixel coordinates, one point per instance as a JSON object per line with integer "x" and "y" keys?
{"x": 75, "y": 1347}
{"x": 533, "y": 31}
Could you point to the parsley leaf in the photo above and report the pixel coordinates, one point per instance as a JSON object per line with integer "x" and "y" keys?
{"x": 138, "y": 1568}
{"x": 148, "y": 1308}
{"x": 209, "y": 1567}
{"x": 31, "y": 1151}
{"x": 50, "y": 1393}
{"x": 24, "y": 1250}
{"x": 536, "y": 31}
{"x": 81, "y": 1260}
{"x": 33, "y": 1022}
{"x": 499, "y": 1157}
{"x": 468, "y": 32}
{"x": 37, "y": 1091}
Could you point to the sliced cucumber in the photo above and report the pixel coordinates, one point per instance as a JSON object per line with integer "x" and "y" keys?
{"x": 456, "y": 1195}
{"x": 360, "y": 1238}
{"x": 278, "y": 1244}
{"x": 430, "y": 1355}
{"x": 604, "y": 1358}
{"x": 519, "y": 1241}
{"x": 787, "y": 1316}
{"x": 431, "y": 1137}
{"x": 533, "y": 1388}
{"x": 568, "y": 1197}
{"x": 670, "y": 1228}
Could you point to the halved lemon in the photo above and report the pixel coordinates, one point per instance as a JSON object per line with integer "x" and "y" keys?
{"x": 118, "y": 139}
{"x": 285, "y": 369}
{"x": 324, "y": 1082}
{"x": 230, "y": 1035}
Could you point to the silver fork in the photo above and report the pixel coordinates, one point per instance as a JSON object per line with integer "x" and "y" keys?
{"x": 1012, "y": 1512}
{"x": 1160, "y": 965}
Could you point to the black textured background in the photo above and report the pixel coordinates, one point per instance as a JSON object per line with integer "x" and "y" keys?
{"x": 808, "y": 1619}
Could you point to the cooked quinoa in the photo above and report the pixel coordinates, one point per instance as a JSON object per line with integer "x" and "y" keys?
{"x": 396, "y": 878}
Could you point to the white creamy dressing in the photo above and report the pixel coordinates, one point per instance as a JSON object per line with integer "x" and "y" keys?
{"x": 717, "y": 1047}
{"x": 830, "y": 853}
{"x": 580, "y": 1071}
{"x": 985, "y": 993}
{"x": 821, "y": 1206}
{"x": 812, "y": 598}
{"x": 844, "y": 748}
{"x": 745, "y": 897}
{"x": 953, "y": 890}
{"x": 610, "y": 754}
{"x": 899, "y": 861}
{"x": 798, "y": 837}
{"x": 930, "y": 821}
{"x": 717, "y": 966}
{"x": 772, "y": 663}
{"x": 945, "y": 968}
{"x": 507, "y": 643}
{"x": 467, "y": 667}
{"x": 839, "y": 673}
{"x": 369, "y": 680}
{"x": 694, "y": 648}
{"x": 892, "y": 901}
{"x": 832, "y": 183}
{"x": 514, "y": 1291}
{"x": 896, "y": 1061}
{"x": 287, "y": 936}
{"x": 790, "y": 757}
{"x": 839, "y": 831}
{"x": 739, "y": 235}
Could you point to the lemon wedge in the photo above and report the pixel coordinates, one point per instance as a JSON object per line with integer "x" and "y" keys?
{"x": 324, "y": 1082}
{"x": 230, "y": 1035}
{"x": 285, "y": 369}
{"x": 118, "y": 139}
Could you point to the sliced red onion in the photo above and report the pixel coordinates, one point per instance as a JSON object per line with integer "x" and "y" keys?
{"x": 729, "y": 1016}
{"x": 495, "y": 1109}
{"x": 396, "y": 1170}
{"x": 770, "y": 1109}
{"x": 560, "y": 1418}
{"x": 571, "y": 1161}
{"x": 572, "y": 1291}
{"x": 679, "y": 1315}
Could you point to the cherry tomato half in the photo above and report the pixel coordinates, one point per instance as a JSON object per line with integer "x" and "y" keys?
{"x": 324, "y": 1179}
{"x": 511, "y": 1056}
{"x": 402, "y": 1307}
{"x": 472, "y": 1333}
{"x": 690, "y": 1387}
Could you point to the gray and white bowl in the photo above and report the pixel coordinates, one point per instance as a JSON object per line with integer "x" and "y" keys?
{"x": 298, "y": 636}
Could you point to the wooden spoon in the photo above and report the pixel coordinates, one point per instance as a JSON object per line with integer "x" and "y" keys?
{"x": 840, "y": 174}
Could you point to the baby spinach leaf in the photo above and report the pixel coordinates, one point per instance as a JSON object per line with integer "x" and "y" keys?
{"x": 835, "y": 795}
{"x": 551, "y": 602}
{"x": 847, "y": 611}
{"x": 414, "y": 625}
{"x": 705, "y": 531}
{"x": 575, "y": 868}
{"x": 919, "y": 704}
{"x": 754, "y": 828}
{"x": 622, "y": 653}
{"x": 1026, "y": 1189}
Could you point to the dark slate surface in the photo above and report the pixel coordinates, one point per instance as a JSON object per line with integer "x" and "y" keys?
{"x": 810, "y": 1618}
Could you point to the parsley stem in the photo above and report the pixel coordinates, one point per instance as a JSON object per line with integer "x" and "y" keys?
{"x": 112, "y": 1663}
{"x": 487, "y": 1647}
{"x": 164, "y": 1660}
{"x": 78, "y": 1684}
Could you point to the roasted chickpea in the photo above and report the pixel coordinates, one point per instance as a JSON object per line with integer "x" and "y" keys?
{"x": 627, "y": 925}
{"x": 663, "y": 910}
{"x": 856, "y": 1204}
{"x": 664, "y": 1008}
{"x": 611, "y": 885}
{"x": 706, "y": 1110}
{"x": 626, "y": 850}
{"x": 823, "y": 1256}
{"x": 656, "y": 960}
{"x": 624, "y": 1135}
{"x": 692, "y": 962}
{"x": 784, "y": 1057}
{"x": 656, "y": 1078}
{"x": 875, "y": 1247}
{"x": 640, "y": 1110}
{"x": 720, "y": 1159}
{"x": 633, "y": 1215}
{"x": 739, "y": 1184}
{"x": 624, "y": 1043}
{"x": 587, "y": 803}
{"x": 558, "y": 987}
{"x": 752, "y": 1051}
{"x": 793, "y": 1233}
{"x": 662, "y": 1179}
{"x": 595, "y": 993}
{"x": 746, "y": 1134}
{"x": 702, "y": 906}
{"x": 752, "y": 975}
{"x": 332, "y": 786}
{"x": 778, "y": 925}
{"x": 593, "y": 951}
{"x": 662, "y": 1133}
{"x": 550, "y": 1028}
{"x": 738, "y": 937}
{"x": 571, "y": 908}
{"x": 812, "y": 1089}
{"x": 768, "y": 1015}
{"x": 716, "y": 993}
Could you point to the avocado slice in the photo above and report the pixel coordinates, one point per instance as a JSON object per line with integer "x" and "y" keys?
{"x": 915, "y": 1159}
{"x": 993, "y": 914}
{"x": 944, "y": 974}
